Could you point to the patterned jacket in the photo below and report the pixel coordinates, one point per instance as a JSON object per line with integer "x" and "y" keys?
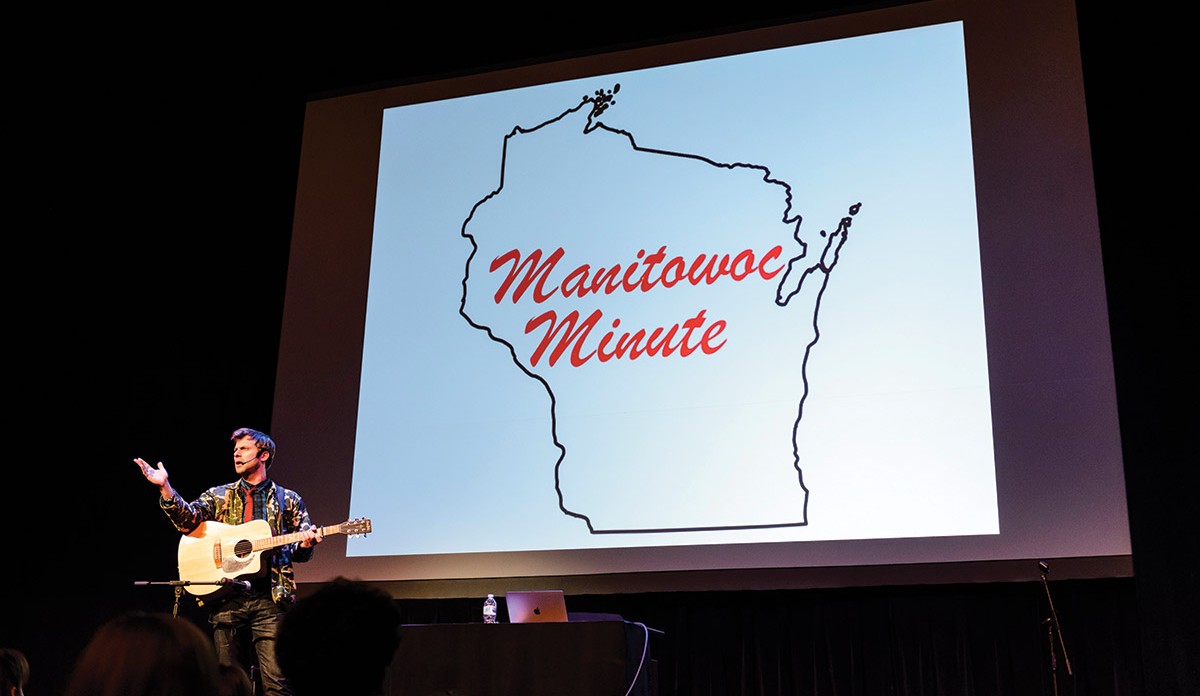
{"x": 223, "y": 504}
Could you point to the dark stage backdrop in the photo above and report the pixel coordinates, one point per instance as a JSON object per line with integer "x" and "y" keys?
{"x": 148, "y": 311}
{"x": 963, "y": 640}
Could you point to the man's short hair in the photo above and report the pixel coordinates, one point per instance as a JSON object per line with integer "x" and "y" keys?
{"x": 14, "y": 669}
{"x": 261, "y": 439}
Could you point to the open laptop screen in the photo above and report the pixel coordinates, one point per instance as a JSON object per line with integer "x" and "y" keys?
{"x": 536, "y": 606}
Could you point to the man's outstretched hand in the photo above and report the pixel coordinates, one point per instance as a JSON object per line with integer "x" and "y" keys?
{"x": 157, "y": 476}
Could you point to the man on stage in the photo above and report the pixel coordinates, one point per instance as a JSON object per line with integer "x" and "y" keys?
{"x": 253, "y": 614}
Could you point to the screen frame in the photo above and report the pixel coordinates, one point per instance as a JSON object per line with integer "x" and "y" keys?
{"x": 325, "y": 303}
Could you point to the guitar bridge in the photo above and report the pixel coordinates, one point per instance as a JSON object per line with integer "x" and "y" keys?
{"x": 217, "y": 554}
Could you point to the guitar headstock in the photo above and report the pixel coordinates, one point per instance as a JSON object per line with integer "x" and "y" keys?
{"x": 358, "y": 526}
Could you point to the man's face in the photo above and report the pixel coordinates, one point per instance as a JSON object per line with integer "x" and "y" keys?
{"x": 247, "y": 457}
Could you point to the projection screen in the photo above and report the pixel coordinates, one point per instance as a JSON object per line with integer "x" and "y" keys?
{"x": 821, "y": 295}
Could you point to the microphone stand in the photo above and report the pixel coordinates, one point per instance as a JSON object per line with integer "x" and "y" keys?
{"x": 1053, "y": 631}
{"x": 180, "y": 584}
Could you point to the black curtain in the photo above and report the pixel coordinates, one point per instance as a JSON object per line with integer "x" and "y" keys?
{"x": 948, "y": 640}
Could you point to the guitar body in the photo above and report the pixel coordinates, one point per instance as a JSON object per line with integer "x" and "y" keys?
{"x": 216, "y": 551}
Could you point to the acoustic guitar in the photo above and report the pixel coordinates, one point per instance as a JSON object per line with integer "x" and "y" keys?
{"x": 215, "y": 551}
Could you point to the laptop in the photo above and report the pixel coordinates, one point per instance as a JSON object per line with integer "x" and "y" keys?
{"x": 536, "y": 606}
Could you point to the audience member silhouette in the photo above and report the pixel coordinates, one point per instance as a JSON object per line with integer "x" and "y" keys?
{"x": 234, "y": 681}
{"x": 140, "y": 654}
{"x": 339, "y": 640}
{"x": 14, "y": 672}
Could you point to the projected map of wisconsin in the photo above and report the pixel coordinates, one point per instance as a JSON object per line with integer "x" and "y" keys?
{"x": 669, "y": 305}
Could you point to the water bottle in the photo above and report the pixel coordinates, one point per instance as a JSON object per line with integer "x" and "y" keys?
{"x": 489, "y": 609}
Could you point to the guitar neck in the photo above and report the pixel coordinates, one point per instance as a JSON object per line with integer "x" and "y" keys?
{"x": 282, "y": 539}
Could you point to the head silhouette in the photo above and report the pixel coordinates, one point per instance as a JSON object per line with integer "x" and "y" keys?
{"x": 140, "y": 654}
{"x": 14, "y": 672}
{"x": 339, "y": 640}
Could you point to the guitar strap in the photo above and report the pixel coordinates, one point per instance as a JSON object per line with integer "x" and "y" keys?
{"x": 279, "y": 499}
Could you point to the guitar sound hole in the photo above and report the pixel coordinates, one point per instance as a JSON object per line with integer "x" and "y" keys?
{"x": 243, "y": 548}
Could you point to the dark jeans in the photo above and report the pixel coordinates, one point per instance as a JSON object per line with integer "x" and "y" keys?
{"x": 254, "y": 618}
